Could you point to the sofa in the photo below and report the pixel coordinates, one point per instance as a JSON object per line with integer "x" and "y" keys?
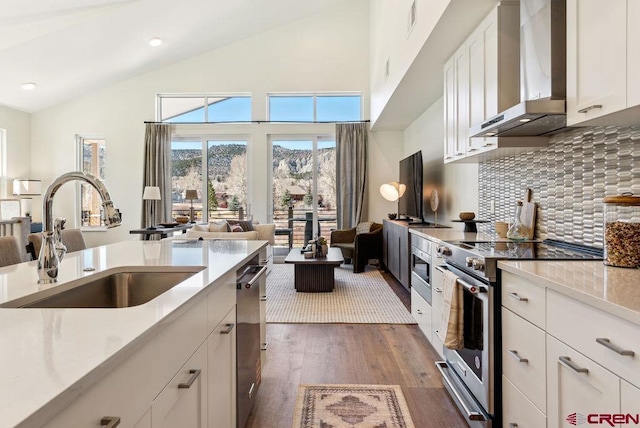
{"x": 222, "y": 230}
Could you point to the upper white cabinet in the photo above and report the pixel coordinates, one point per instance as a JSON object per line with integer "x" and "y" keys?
{"x": 603, "y": 61}
{"x": 480, "y": 80}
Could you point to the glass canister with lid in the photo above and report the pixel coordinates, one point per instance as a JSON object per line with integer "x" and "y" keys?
{"x": 622, "y": 231}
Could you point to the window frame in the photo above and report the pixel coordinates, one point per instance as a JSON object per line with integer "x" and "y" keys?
{"x": 314, "y": 96}
{"x": 205, "y": 105}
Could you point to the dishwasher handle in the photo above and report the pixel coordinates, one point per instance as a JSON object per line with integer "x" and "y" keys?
{"x": 256, "y": 276}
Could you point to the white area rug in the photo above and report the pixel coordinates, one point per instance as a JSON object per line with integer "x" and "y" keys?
{"x": 358, "y": 298}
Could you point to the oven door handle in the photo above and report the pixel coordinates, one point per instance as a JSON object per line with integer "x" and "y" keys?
{"x": 470, "y": 414}
{"x": 473, "y": 289}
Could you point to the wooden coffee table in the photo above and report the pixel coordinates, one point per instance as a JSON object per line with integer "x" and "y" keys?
{"x": 316, "y": 274}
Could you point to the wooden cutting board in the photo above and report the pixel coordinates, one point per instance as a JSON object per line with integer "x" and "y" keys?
{"x": 528, "y": 214}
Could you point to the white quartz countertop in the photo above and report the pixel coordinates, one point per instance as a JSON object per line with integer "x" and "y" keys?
{"x": 612, "y": 289}
{"x": 48, "y": 355}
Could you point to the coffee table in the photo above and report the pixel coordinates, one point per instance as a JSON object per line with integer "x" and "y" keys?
{"x": 315, "y": 274}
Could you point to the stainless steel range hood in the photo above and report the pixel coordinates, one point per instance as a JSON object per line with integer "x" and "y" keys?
{"x": 542, "y": 110}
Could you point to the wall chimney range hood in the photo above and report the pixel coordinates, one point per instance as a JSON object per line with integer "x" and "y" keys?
{"x": 542, "y": 110}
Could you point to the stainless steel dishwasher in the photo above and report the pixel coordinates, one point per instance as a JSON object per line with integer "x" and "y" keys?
{"x": 248, "y": 337}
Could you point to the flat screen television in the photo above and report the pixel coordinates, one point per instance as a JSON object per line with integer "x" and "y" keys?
{"x": 410, "y": 204}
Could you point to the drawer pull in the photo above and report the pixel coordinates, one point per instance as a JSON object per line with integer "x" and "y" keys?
{"x": 566, "y": 361}
{"x": 263, "y": 298}
{"x": 438, "y": 290}
{"x": 587, "y": 109}
{"x": 229, "y": 328}
{"x": 513, "y": 425}
{"x": 607, "y": 344}
{"x": 518, "y": 298}
{"x": 419, "y": 311}
{"x": 264, "y": 346}
{"x": 110, "y": 421}
{"x": 194, "y": 375}
{"x": 517, "y": 357}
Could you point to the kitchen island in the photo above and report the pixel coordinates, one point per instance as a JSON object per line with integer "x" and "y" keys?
{"x": 51, "y": 358}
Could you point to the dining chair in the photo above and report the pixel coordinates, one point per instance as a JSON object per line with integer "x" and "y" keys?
{"x": 10, "y": 253}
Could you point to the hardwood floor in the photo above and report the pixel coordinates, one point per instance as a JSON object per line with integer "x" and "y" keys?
{"x": 390, "y": 354}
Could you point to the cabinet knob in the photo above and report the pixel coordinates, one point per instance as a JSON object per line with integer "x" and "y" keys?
{"x": 110, "y": 421}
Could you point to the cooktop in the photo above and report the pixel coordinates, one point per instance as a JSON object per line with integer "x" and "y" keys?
{"x": 548, "y": 249}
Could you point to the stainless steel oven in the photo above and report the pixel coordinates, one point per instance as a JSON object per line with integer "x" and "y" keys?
{"x": 468, "y": 373}
{"x": 421, "y": 266}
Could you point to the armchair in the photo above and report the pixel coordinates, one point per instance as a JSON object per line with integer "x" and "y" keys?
{"x": 359, "y": 246}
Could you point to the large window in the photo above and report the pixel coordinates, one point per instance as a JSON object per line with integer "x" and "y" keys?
{"x": 314, "y": 108}
{"x": 304, "y": 186}
{"x": 91, "y": 158}
{"x": 221, "y": 186}
{"x": 204, "y": 108}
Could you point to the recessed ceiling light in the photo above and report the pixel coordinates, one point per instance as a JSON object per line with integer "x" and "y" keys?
{"x": 156, "y": 41}
{"x": 28, "y": 86}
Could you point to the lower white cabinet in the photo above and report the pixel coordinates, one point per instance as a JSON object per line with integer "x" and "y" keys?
{"x": 421, "y": 312}
{"x": 183, "y": 402}
{"x": 519, "y": 411}
{"x": 221, "y": 346}
{"x": 629, "y": 398}
{"x": 577, "y": 386}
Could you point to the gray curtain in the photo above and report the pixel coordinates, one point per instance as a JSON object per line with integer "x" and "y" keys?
{"x": 351, "y": 172}
{"x": 157, "y": 171}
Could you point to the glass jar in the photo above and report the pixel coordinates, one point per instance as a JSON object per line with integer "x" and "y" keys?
{"x": 622, "y": 231}
{"x": 517, "y": 229}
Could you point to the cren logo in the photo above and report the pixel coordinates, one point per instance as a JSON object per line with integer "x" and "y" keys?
{"x": 576, "y": 419}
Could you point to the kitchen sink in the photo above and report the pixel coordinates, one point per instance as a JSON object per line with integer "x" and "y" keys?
{"x": 116, "y": 290}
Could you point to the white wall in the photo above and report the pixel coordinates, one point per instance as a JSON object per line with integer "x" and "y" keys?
{"x": 457, "y": 184}
{"x": 17, "y": 151}
{"x": 391, "y": 40}
{"x": 326, "y": 52}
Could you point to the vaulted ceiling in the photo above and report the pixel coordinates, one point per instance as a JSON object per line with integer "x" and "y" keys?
{"x": 69, "y": 47}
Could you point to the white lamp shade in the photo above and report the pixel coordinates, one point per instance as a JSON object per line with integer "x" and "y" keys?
{"x": 151, "y": 193}
{"x": 392, "y": 191}
{"x": 27, "y": 187}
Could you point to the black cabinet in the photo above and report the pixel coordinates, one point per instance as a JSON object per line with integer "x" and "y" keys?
{"x": 396, "y": 251}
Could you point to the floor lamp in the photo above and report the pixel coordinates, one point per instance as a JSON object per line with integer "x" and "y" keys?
{"x": 151, "y": 193}
{"x": 392, "y": 191}
{"x": 191, "y": 194}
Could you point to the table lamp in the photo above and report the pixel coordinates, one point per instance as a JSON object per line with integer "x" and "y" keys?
{"x": 151, "y": 193}
{"x": 191, "y": 194}
{"x": 392, "y": 191}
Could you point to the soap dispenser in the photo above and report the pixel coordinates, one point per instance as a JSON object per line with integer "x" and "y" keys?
{"x": 517, "y": 230}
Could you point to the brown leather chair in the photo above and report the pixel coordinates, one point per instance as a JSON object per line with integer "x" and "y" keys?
{"x": 361, "y": 247}
{"x": 71, "y": 238}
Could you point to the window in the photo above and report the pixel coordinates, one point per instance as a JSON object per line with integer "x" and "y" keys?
{"x": 315, "y": 108}
{"x": 91, "y": 159}
{"x": 204, "y": 108}
{"x": 221, "y": 187}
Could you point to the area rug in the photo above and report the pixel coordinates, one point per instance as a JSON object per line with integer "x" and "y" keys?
{"x": 358, "y": 298}
{"x": 360, "y": 406}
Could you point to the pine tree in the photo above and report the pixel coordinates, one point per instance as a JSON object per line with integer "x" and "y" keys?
{"x": 285, "y": 199}
{"x": 308, "y": 197}
{"x": 234, "y": 205}
{"x": 213, "y": 199}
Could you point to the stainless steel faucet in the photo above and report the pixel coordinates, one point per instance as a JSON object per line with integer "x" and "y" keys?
{"x": 49, "y": 259}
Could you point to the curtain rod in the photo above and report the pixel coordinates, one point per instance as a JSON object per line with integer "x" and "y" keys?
{"x": 254, "y": 121}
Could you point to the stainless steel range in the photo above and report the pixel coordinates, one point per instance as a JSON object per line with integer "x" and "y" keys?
{"x": 471, "y": 374}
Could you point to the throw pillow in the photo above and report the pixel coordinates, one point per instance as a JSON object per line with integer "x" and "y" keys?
{"x": 246, "y": 225}
{"x": 236, "y": 228}
{"x": 218, "y": 226}
{"x": 364, "y": 227}
{"x": 200, "y": 228}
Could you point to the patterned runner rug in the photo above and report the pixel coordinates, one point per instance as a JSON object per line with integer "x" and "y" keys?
{"x": 359, "y": 406}
{"x": 358, "y": 298}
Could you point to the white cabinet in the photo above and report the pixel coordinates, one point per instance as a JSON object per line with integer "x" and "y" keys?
{"x": 576, "y": 384}
{"x": 518, "y": 411}
{"x": 183, "y": 402}
{"x": 480, "y": 80}
{"x": 221, "y": 346}
{"x": 421, "y": 312}
{"x": 436, "y": 304}
{"x": 603, "y": 61}
{"x": 629, "y": 398}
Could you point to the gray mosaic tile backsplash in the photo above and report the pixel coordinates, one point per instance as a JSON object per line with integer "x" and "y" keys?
{"x": 569, "y": 179}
